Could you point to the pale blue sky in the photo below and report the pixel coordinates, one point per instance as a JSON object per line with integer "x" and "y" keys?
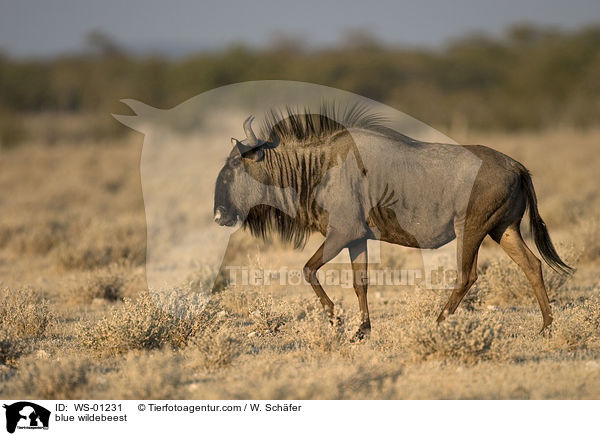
{"x": 48, "y": 27}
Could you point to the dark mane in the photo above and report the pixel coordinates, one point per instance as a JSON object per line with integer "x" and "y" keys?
{"x": 306, "y": 126}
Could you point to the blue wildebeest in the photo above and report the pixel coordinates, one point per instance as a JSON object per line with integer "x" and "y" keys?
{"x": 353, "y": 179}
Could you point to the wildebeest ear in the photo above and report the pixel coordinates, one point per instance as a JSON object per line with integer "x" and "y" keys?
{"x": 256, "y": 154}
{"x": 234, "y": 142}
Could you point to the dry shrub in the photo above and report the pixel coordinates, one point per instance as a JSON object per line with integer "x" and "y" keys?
{"x": 466, "y": 338}
{"x": 24, "y": 319}
{"x": 502, "y": 282}
{"x": 213, "y": 350}
{"x": 158, "y": 374}
{"x": 97, "y": 244}
{"x": 37, "y": 237}
{"x": 263, "y": 314}
{"x": 261, "y": 310}
{"x": 106, "y": 287}
{"x": 235, "y": 303}
{"x": 417, "y": 305}
{"x": 64, "y": 378}
{"x": 151, "y": 321}
{"x": 23, "y": 313}
{"x": 11, "y": 350}
{"x": 314, "y": 331}
{"x": 578, "y": 327}
{"x": 110, "y": 284}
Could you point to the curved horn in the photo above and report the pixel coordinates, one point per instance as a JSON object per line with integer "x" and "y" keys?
{"x": 249, "y": 133}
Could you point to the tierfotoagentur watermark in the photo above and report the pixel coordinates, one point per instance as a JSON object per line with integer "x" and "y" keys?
{"x": 343, "y": 277}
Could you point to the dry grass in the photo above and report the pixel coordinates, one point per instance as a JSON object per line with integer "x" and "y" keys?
{"x": 213, "y": 350}
{"x": 76, "y": 319}
{"x": 102, "y": 244}
{"x": 24, "y": 319}
{"x": 39, "y": 377}
{"x": 467, "y": 339}
{"x": 156, "y": 375}
{"x": 578, "y": 326}
{"x": 151, "y": 321}
{"x": 109, "y": 284}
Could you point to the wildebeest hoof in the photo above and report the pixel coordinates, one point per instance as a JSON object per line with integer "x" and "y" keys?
{"x": 546, "y": 328}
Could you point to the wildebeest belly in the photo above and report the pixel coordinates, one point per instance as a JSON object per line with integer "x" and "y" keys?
{"x": 386, "y": 226}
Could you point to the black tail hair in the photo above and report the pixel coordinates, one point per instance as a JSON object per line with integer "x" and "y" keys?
{"x": 539, "y": 230}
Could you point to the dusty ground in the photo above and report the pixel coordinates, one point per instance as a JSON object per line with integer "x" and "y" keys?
{"x": 77, "y": 322}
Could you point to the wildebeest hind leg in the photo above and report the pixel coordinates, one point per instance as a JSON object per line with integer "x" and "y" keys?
{"x": 471, "y": 281}
{"x": 512, "y": 243}
{"x": 467, "y": 274}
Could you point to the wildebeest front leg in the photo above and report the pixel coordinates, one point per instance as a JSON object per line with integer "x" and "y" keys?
{"x": 333, "y": 244}
{"x": 359, "y": 258}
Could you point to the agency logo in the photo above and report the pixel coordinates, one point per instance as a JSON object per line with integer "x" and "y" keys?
{"x": 26, "y": 415}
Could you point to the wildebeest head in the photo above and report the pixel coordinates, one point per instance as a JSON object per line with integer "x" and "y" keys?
{"x": 241, "y": 183}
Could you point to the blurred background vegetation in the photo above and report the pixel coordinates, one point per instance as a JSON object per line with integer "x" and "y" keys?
{"x": 530, "y": 78}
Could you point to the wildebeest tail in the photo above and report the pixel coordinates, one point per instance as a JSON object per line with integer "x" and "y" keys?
{"x": 539, "y": 230}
